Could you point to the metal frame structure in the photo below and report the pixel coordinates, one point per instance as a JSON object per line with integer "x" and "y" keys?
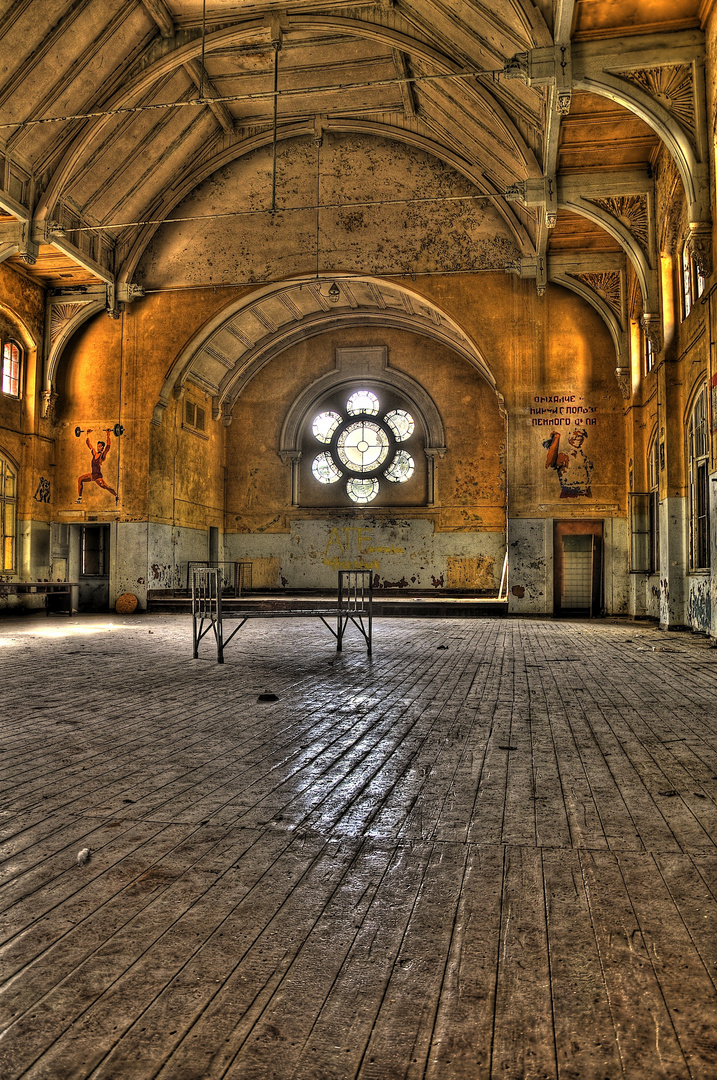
{"x": 235, "y": 576}
{"x": 354, "y": 604}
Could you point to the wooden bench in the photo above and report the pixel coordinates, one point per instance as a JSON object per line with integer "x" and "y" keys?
{"x": 354, "y": 604}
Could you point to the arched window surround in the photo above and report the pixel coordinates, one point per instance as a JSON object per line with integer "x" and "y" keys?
{"x": 355, "y": 367}
{"x": 697, "y": 460}
{"x": 692, "y": 280}
{"x": 12, "y": 357}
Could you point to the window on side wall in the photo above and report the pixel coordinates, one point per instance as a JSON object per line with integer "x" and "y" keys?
{"x": 648, "y": 353}
{"x": 693, "y": 281}
{"x": 644, "y": 522}
{"x": 698, "y": 480}
{"x": 11, "y": 368}
{"x": 8, "y": 515}
{"x": 653, "y": 483}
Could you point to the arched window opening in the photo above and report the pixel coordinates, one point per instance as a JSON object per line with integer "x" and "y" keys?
{"x": 363, "y": 445}
{"x": 644, "y": 517}
{"x": 698, "y": 480}
{"x": 653, "y": 483}
{"x": 8, "y": 515}
{"x": 11, "y": 368}
{"x": 693, "y": 281}
{"x": 648, "y": 354}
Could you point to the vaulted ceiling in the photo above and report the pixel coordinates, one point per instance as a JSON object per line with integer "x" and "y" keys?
{"x": 113, "y": 111}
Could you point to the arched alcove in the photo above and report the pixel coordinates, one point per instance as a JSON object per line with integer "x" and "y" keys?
{"x": 241, "y": 339}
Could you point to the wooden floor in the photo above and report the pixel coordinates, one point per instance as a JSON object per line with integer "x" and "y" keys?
{"x": 488, "y": 852}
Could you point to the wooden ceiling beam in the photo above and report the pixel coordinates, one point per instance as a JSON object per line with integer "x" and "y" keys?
{"x": 400, "y": 63}
{"x": 204, "y": 83}
{"x": 48, "y": 46}
{"x": 563, "y": 21}
{"x": 160, "y": 13}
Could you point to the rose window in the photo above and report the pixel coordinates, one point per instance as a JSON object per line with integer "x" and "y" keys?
{"x": 361, "y": 448}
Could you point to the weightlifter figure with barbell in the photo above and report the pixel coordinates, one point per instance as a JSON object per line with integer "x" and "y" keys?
{"x": 98, "y": 456}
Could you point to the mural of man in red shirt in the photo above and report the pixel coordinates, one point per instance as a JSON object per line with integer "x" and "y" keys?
{"x": 572, "y": 465}
{"x": 98, "y": 456}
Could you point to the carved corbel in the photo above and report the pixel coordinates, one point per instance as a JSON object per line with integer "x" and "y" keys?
{"x": 29, "y": 252}
{"x": 516, "y": 192}
{"x": 48, "y": 400}
{"x": 127, "y": 291}
{"x": 652, "y": 329}
{"x": 551, "y": 66}
{"x": 112, "y": 307}
{"x": 227, "y": 413}
{"x": 532, "y": 267}
{"x": 699, "y": 244}
{"x": 542, "y": 193}
{"x": 517, "y": 67}
{"x": 622, "y": 374}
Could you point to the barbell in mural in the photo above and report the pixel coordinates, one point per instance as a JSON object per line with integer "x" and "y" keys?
{"x": 99, "y": 455}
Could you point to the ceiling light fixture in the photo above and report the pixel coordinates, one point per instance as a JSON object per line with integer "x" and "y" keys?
{"x": 334, "y": 293}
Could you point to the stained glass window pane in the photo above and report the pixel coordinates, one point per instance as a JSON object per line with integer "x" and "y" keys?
{"x": 325, "y": 425}
{"x": 401, "y": 468}
{"x": 363, "y": 401}
{"x": 401, "y": 424}
{"x": 363, "y": 446}
{"x": 361, "y": 491}
{"x": 9, "y": 483}
{"x": 324, "y": 469}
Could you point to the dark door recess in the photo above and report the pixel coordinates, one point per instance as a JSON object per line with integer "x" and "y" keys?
{"x": 94, "y": 567}
{"x": 577, "y": 575}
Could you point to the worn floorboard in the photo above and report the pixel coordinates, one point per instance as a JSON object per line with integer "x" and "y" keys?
{"x": 488, "y": 852}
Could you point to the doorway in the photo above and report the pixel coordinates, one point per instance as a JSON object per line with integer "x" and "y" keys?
{"x": 213, "y": 545}
{"x": 577, "y": 577}
{"x": 94, "y": 576}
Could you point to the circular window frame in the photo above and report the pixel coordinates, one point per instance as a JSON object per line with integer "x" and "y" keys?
{"x": 363, "y": 474}
{"x": 325, "y": 394}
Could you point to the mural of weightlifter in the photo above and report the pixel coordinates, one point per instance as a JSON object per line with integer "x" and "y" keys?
{"x": 99, "y": 455}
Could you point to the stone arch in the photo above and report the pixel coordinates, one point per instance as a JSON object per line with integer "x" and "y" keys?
{"x": 240, "y": 340}
{"x": 422, "y": 403}
{"x": 691, "y": 169}
{"x": 28, "y": 338}
{"x": 232, "y": 35}
{"x": 196, "y": 173}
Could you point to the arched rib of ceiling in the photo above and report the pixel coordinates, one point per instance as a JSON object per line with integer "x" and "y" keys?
{"x": 28, "y": 338}
{"x": 240, "y": 340}
{"x": 534, "y": 21}
{"x": 195, "y": 174}
{"x": 617, "y": 332}
{"x": 236, "y": 36}
{"x": 663, "y": 124}
{"x": 646, "y": 275}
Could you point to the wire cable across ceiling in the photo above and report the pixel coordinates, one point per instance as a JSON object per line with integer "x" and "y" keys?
{"x": 263, "y": 95}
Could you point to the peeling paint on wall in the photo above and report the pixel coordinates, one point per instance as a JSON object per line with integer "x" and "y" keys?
{"x": 416, "y": 237}
{"x": 699, "y": 605}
